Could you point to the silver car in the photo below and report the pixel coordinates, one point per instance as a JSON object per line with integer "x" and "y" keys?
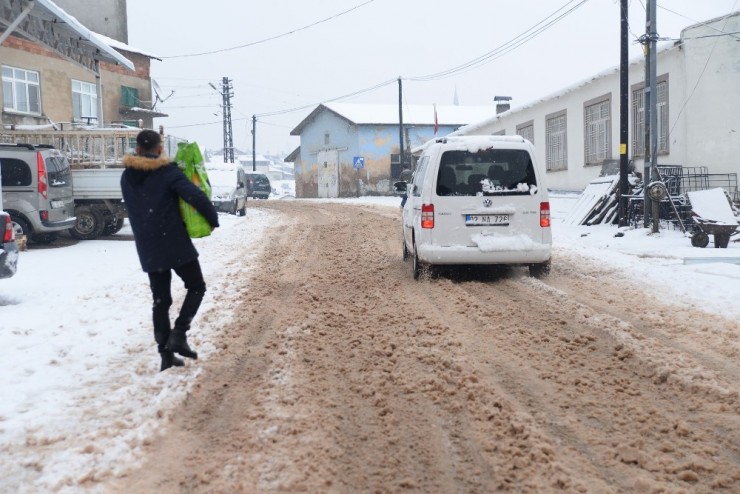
{"x": 37, "y": 191}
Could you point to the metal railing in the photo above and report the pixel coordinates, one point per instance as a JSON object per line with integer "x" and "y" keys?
{"x": 89, "y": 148}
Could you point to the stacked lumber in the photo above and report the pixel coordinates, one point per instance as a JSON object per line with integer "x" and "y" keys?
{"x": 598, "y": 203}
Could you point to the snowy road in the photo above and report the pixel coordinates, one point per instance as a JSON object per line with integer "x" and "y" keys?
{"x": 339, "y": 373}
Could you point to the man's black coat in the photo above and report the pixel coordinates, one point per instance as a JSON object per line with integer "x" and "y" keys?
{"x": 151, "y": 189}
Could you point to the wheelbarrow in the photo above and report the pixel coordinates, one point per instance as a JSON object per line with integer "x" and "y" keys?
{"x": 712, "y": 215}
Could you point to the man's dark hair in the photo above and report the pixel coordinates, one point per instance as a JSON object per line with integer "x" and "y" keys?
{"x": 148, "y": 140}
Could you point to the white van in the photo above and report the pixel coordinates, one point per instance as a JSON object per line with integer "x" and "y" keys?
{"x": 478, "y": 200}
{"x": 228, "y": 187}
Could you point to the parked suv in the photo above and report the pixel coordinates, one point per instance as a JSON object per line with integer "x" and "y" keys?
{"x": 37, "y": 190}
{"x": 478, "y": 200}
{"x": 258, "y": 186}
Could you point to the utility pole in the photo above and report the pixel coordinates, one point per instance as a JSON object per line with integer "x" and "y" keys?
{"x": 226, "y": 95}
{"x": 623, "y": 113}
{"x": 400, "y": 123}
{"x": 651, "y": 116}
{"x": 254, "y": 143}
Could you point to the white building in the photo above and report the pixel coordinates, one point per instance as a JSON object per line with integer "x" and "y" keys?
{"x": 698, "y": 86}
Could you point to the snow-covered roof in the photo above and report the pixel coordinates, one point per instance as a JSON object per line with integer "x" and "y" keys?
{"x": 119, "y": 45}
{"x": 69, "y": 34}
{"x": 708, "y": 22}
{"x": 387, "y": 114}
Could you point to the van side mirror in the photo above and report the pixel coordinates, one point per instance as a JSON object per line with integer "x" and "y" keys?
{"x": 400, "y": 187}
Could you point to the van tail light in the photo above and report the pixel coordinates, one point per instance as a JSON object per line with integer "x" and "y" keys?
{"x": 9, "y": 233}
{"x": 427, "y": 215}
{"x": 545, "y": 214}
{"x": 44, "y": 215}
{"x": 43, "y": 184}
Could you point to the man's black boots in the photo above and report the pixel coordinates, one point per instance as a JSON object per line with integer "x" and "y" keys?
{"x": 170, "y": 360}
{"x": 178, "y": 343}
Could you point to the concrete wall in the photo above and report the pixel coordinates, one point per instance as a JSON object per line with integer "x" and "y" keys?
{"x": 703, "y": 109}
{"x": 712, "y": 135}
{"x": 56, "y": 76}
{"x": 108, "y": 17}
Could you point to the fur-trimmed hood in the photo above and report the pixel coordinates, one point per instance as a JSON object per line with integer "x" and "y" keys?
{"x": 145, "y": 163}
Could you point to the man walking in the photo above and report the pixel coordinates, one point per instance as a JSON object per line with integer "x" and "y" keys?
{"x": 152, "y": 185}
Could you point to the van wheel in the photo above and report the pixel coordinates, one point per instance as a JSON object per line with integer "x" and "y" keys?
{"x": 540, "y": 270}
{"x": 20, "y": 227}
{"x": 415, "y": 265}
{"x": 89, "y": 224}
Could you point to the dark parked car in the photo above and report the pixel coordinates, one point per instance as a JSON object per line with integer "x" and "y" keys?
{"x": 258, "y": 186}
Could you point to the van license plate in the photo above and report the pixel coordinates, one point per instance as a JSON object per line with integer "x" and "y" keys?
{"x": 57, "y": 204}
{"x": 487, "y": 219}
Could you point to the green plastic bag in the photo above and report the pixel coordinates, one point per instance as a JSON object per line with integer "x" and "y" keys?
{"x": 190, "y": 161}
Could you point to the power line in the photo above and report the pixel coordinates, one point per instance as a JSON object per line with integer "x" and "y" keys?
{"x": 507, "y": 47}
{"x": 344, "y": 96}
{"x": 705, "y": 24}
{"x": 245, "y": 45}
{"x": 220, "y": 122}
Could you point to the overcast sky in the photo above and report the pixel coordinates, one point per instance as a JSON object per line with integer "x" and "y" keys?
{"x": 374, "y": 41}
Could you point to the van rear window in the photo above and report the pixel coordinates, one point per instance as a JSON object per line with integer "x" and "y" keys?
{"x": 486, "y": 172}
{"x": 57, "y": 167}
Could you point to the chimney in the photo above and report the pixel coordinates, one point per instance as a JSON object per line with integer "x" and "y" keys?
{"x": 502, "y": 103}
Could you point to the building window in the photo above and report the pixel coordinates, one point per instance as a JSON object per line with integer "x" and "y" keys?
{"x": 526, "y": 130}
{"x": 326, "y": 139}
{"x": 129, "y": 96}
{"x": 84, "y": 101}
{"x": 638, "y": 117}
{"x": 597, "y": 131}
{"x": 557, "y": 141}
{"x": 21, "y": 91}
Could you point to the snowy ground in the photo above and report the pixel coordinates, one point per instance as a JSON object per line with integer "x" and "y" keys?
{"x": 81, "y": 392}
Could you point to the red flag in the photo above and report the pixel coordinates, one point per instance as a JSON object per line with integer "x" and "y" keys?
{"x": 436, "y": 122}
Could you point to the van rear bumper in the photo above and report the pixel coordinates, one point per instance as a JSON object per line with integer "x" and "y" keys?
{"x": 434, "y": 254}
{"x": 50, "y": 226}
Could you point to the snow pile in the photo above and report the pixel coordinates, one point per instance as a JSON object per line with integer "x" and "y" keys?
{"x": 81, "y": 388}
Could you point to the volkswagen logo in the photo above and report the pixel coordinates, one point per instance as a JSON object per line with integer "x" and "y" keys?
{"x": 487, "y": 203}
